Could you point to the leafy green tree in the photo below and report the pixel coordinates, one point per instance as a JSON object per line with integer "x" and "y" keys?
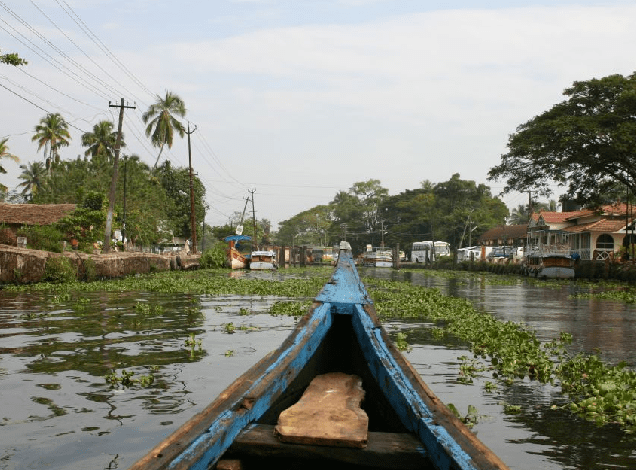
{"x": 451, "y": 211}
{"x": 86, "y": 222}
{"x": 409, "y": 216}
{"x": 587, "y": 142}
{"x": 12, "y": 59}
{"x": 162, "y": 122}
{"x": 52, "y": 133}
{"x": 72, "y": 180}
{"x": 310, "y": 227}
{"x": 521, "y": 216}
{"x": 101, "y": 142}
{"x": 4, "y": 153}
{"x": 33, "y": 176}
{"x": 176, "y": 184}
{"x": 356, "y": 213}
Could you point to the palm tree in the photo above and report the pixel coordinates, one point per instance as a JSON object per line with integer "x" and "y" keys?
{"x": 4, "y": 153}
{"x": 52, "y": 133}
{"x": 32, "y": 177}
{"x": 162, "y": 121}
{"x": 101, "y": 142}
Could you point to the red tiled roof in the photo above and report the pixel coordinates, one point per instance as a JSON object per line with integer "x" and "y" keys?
{"x": 603, "y": 225}
{"x": 510, "y": 231}
{"x": 554, "y": 217}
{"x": 33, "y": 214}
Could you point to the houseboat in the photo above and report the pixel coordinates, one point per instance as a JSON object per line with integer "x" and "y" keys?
{"x": 549, "y": 255}
{"x": 263, "y": 260}
{"x": 379, "y": 257}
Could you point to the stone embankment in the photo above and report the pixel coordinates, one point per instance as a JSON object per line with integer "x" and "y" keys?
{"x": 22, "y": 266}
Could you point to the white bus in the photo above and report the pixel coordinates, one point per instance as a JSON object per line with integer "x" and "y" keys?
{"x": 427, "y": 251}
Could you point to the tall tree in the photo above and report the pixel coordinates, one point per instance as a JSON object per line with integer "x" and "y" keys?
{"x": 162, "y": 122}
{"x": 33, "y": 176}
{"x": 101, "y": 141}
{"x": 4, "y": 153}
{"x": 176, "y": 184}
{"x": 52, "y": 133}
{"x": 586, "y": 142}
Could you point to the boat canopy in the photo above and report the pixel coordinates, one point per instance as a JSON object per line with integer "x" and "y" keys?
{"x": 237, "y": 238}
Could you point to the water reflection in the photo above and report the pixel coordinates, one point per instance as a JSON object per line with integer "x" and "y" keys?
{"x": 547, "y": 308}
{"x": 58, "y": 411}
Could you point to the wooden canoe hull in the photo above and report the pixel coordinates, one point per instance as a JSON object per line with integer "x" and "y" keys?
{"x": 341, "y": 333}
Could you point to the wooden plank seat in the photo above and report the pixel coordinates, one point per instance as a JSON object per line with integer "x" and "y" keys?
{"x": 383, "y": 450}
{"x": 328, "y": 413}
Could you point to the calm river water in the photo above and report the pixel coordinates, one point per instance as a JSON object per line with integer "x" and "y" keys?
{"x": 57, "y": 410}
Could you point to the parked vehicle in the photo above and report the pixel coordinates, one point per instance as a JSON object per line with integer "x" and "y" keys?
{"x": 428, "y": 251}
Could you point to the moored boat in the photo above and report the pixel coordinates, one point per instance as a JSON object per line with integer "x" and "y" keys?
{"x": 379, "y": 257}
{"x": 235, "y": 258}
{"x": 383, "y": 414}
{"x": 550, "y": 265}
{"x": 263, "y": 260}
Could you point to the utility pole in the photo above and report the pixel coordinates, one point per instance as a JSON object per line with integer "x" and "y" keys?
{"x": 193, "y": 227}
{"x": 255, "y": 242}
{"x": 113, "y": 183}
{"x": 123, "y": 226}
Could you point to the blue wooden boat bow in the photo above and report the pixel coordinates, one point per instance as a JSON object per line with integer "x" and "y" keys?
{"x": 340, "y": 333}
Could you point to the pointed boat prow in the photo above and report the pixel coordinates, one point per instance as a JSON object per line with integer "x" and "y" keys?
{"x": 408, "y": 426}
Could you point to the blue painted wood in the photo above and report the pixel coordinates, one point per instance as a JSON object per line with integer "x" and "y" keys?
{"x": 445, "y": 441}
{"x": 208, "y": 447}
{"x": 345, "y": 288}
{"x": 414, "y": 414}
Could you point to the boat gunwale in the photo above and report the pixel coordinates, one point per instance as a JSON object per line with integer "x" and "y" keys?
{"x": 206, "y": 436}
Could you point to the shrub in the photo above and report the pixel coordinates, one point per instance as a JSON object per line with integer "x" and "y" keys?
{"x": 59, "y": 269}
{"x": 90, "y": 269}
{"x": 215, "y": 257}
{"x": 45, "y": 237}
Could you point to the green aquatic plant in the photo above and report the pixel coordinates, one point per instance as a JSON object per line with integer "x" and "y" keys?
{"x": 469, "y": 419}
{"x": 470, "y": 368}
{"x": 148, "y": 309}
{"x": 401, "y": 342}
{"x": 597, "y": 391}
{"x": 289, "y": 308}
{"x": 127, "y": 379}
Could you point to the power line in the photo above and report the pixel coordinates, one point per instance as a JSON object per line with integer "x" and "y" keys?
{"x": 50, "y": 59}
{"x": 104, "y": 84}
{"x": 93, "y": 37}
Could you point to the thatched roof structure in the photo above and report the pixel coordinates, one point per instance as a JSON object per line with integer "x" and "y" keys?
{"x": 33, "y": 214}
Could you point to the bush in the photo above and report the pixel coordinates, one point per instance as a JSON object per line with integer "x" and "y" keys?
{"x": 90, "y": 269}
{"x": 45, "y": 237}
{"x": 215, "y": 257}
{"x": 59, "y": 269}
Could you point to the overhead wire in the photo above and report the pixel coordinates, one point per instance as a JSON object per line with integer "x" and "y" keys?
{"x": 50, "y": 59}
{"x": 98, "y": 42}
{"x": 104, "y": 84}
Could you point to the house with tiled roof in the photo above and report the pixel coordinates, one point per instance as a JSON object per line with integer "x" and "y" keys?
{"x": 505, "y": 235}
{"x": 15, "y": 216}
{"x": 589, "y": 233}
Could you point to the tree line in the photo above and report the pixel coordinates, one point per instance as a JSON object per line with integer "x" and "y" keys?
{"x": 155, "y": 201}
{"x": 585, "y": 144}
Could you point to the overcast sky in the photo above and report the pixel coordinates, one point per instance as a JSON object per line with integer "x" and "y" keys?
{"x": 301, "y": 99}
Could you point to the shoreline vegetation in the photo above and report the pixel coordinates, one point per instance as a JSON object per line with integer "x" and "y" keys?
{"x": 506, "y": 351}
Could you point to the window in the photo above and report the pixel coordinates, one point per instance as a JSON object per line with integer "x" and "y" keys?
{"x": 605, "y": 243}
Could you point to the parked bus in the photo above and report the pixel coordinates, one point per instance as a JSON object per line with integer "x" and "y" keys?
{"x": 428, "y": 251}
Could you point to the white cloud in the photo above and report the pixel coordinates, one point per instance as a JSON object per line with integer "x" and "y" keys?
{"x": 402, "y": 99}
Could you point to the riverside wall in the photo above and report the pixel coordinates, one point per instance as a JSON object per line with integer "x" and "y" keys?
{"x": 24, "y": 266}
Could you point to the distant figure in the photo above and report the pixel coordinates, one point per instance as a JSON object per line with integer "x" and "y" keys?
{"x": 186, "y": 247}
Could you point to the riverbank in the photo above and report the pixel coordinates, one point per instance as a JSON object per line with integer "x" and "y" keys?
{"x": 26, "y": 266}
